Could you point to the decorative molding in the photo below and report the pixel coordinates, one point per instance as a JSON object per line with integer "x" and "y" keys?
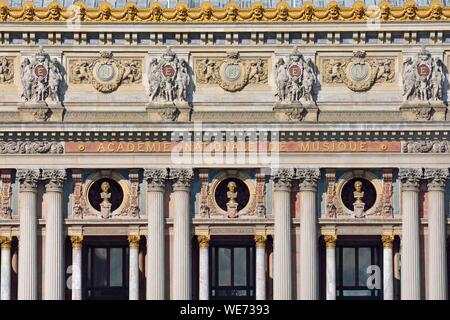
{"x": 232, "y": 73}
{"x": 387, "y": 201}
{"x": 331, "y": 204}
{"x": 260, "y": 240}
{"x": 106, "y": 74}
{"x": 31, "y": 147}
{"x": 5, "y": 195}
{"x": 260, "y": 195}
{"x": 359, "y": 73}
{"x": 5, "y": 242}
{"x": 79, "y": 205}
{"x": 156, "y": 179}
{"x": 77, "y": 242}
{"x": 133, "y": 207}
{"x": 205, "y": 207}
{"x": 308, "y": 178}
{"x": 6, "y": 70}
{"x": 206, "y": 13}
{"x": 133, "y": 241}
{"x": 388, "y": 241}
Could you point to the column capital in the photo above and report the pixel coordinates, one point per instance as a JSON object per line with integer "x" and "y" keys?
{"x": 410, "y": 178}
{"x": 182, "y": 178}
{"x": 437, "y": 178}
{"x": 156, "y": 179}
{"x": 308, "y": 178}
{"x": 260, "y": 240}
{"x": 133, "y": 240}
{"x": 28, "y": 179}
{"x": 77, "y": 241}
{"x": 388, "y": 241}
{"x": 330, "y": 240}
{"x": 54, "y": 179}
{"x": 203, "y": 241}
{"x": 282, "y": 178}
{"x": 5, "y": 242}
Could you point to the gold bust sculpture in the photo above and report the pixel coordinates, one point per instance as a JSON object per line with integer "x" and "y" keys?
{"x": 358, "y": 193}
{"x": 105, "y": 194}
{"x": 232, "y": 193}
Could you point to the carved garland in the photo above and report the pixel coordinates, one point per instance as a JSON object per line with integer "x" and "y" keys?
{"x": 230, "y": 14}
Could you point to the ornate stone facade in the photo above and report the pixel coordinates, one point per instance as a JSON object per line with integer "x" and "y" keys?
{"x": 6, "y": 70}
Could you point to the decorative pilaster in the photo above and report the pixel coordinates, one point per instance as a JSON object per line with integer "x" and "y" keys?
{"x": 203, "y": 244}
{"x": 27, "y": 277}
{"x": 309, "y": 253}
{"x": 260, "y": 290}
{"x": 330, "y": 243}
{"x": 182, "y": 179}
{"x": 437, "y": 253}
{"x": 5, "y": 195}
{"x": 77, "y": 248}
{"x": 133, "y": 284}
{"x": 410, "y": 272}
{"x": 54, "y": 235}
{"x": 282, "y": 263}
{"x": 5, "y": 280}
{"x": 156, "y": 179}
{"x": 388, "y": 267}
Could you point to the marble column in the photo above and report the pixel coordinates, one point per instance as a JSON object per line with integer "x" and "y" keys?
{"x": 388, "y": 267}
{"x": 77, "y": 267}
{"x": 28, "y": 262}
{"x": 309, "y": 251}
{"x": 5, "y": 281}
{"x": 410, "y": 252}
{"x": 133, "y": 277}
{"x": 54, "y": 286}
{"x": 330, "y": 243}
{"x": 156, "y": 279}
{"x": 182, "y": 264}
{"x": 203, "y": 244}
{"x": 282, "y": 243}
{"x": 437, "y": 238}
{"x": 260, "y": 290}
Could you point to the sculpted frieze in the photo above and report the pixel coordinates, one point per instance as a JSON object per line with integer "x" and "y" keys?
{"x": 106, "y": 73}
{"x": 359, "y": 73}
{"x": 232, "y": 73}
{"x": 31, "y": 147}
{"x": 426, "y": 146}
{"x": 6, "y": 70}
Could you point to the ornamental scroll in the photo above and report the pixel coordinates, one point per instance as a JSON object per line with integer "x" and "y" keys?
{"x": 106, "y": 73}
{"x": 359, "y": 73}
{"x": 232, "y": 73}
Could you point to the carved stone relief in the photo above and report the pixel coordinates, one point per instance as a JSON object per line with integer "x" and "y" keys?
{"x": 359, "y": 73}
{"x": 426, "y": 146}
{"x": 5, "y": 196}
{"x": 231, "y": 73}
{"x": 106, "y": 73}
{"x": 6, "y": 70}
{"x": 31, "y": 147}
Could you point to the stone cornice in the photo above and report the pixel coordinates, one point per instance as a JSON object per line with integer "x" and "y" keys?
{"x": 130, "y": 13}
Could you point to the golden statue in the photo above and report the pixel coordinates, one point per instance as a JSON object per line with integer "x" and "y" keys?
{"x": 232, "y": 193}
{"x": 105, "y": 194}
{"x": 358, "y": 193}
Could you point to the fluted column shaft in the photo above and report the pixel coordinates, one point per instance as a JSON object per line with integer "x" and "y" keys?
{"x": 28, "y": 262}
{"x": 156, "y": 179}
{"x": 203, "y": 244}
{"x": 182, "y": 264}
{"x": 282, "y": 246}
{"x": 54, "y": 236}
{"x": 330, "y": 241}
{"x": 437, "y": 251}
{"x": 410, "y": 255}
{"x": 260, "y": 260}
{"x": 5, "y": 281}
{"x": 133, "y": 278}
{"x": 77, "y": 248}
{"x": 388, "y": 267}
{"x": 309, "y": 256}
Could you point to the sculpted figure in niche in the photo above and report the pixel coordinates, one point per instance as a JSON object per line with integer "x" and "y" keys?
{"x": 105, "y": 205}
{"x": 358, "y": 193}
{"x": 232, "y": 205}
